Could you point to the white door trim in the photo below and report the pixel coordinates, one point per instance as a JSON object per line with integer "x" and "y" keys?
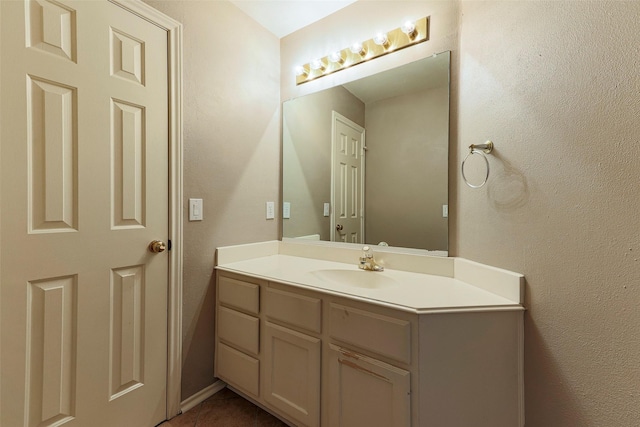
{"x": 174, "y": 306}
{"x": 335, "y": 116}
{"x": 0, "y": 204}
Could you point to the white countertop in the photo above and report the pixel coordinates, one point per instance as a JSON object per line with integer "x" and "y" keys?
{"x": 404, "y": 290}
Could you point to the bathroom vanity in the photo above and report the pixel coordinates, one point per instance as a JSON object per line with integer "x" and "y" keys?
{"x": 429, "y": 341}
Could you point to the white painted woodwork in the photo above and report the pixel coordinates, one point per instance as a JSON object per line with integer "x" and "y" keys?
{"x": 381, "y": 334}
{"x": 128, "y": 148}
{"x": 126, "y": 358}
{"x": 51, "y": 349}
{"x": 242, "y": 295}
{"x": 127, "y": 56}
{"x": 347, "y": 180}
{"x": 291, "y": 373}
{"x": 51, "y": 27}
{"x": 296, "y": 310}
{"x": 366, "y": 392}
{"x": 239, "y": 330}
{"x": 52, "y": 161}
{"x": 238, "y": 369}
{"x": 376, "y": 365}
{"x": 484, "y": 369}
{"x": 85, "y": 189}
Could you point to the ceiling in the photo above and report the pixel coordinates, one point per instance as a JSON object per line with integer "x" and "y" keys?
{"x": 282, "y": 17}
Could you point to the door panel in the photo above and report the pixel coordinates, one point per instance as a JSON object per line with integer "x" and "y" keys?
{"x": 51, "y": 348}
{"x": 53, "y": 144}
{"x": 126, "y": 358}
{"x": 128, "y": 146}
{"x": 85, "y": 189}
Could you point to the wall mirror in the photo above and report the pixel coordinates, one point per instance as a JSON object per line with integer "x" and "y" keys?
{"x": 367, "y": 162}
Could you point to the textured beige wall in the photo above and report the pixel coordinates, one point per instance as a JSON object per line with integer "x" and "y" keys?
{"x": 306, "y": 152}
{"x": 231, "y": 155}
{"x": 408, "y": 139}
{"x": 556, "y": 86}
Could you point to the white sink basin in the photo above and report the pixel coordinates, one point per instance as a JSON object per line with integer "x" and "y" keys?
{"x": 357, "y": 278}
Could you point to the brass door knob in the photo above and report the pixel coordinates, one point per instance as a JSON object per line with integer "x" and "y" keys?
{"x": 157, "y": 246}
{"x": 339, "y": 227}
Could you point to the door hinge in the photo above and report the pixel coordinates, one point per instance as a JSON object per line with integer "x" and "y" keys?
{"x": 169, "y": 245}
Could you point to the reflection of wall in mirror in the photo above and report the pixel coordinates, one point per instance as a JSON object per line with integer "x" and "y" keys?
{"x": 306, "y": 152}
{"x": 407, "y": 139}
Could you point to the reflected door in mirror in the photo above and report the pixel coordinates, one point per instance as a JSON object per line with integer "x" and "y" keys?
{"x": 348, "y": 180}
{"x": 405, "y": 111}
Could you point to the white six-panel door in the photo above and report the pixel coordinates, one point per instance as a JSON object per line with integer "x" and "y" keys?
{"x": 84, "y": 172}
{"x": 347, "y": 181}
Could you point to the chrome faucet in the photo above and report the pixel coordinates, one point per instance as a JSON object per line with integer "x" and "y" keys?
{"x": 367, "y": 262}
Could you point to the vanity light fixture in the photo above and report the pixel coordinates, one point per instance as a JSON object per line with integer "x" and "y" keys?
{"x": 410, "y": 33}
{"x": 317, "y": 64}
{"x": 300, "y": 71}
{"x": 409, "y": 28}
{"x": 358, "y": 49}
{"x": 381, "y": 39}
{"x": 336, "y": 57}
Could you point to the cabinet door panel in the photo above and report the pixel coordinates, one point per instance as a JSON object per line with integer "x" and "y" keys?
{"x": 366, "y": 392}
{"x": 238, "y": 369}
{"x": 292, "y": 373}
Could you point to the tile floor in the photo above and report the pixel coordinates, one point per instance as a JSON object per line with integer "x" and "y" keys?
{"x": 225, "y": 409}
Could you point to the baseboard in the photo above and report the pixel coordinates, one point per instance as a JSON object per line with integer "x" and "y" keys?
{"x": 201, "y": 396}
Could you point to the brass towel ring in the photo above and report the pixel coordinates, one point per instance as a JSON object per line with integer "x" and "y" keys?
{"x": 480, "y": 149}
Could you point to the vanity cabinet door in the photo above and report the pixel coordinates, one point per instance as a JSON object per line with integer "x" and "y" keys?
{"x": 238, "y": 369}
{"x": 291, "y": 375}
{"x": 366, "y": 392}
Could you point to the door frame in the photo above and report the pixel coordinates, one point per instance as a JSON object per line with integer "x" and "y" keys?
{"x": 335, "y": 117}
{"x": 174, "y": 275}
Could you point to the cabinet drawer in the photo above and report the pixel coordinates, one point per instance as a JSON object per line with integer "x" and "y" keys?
{"x": 296, "y": 310}
{"x": 381, "y": 334}
{"x": 239, "y": 294}
{"x": 239, "y": 329}
{"x": 238, "y": 369}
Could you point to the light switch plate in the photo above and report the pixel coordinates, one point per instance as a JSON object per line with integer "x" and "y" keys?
{"x": 195, "y": 209}
{"x": 445, "y": 211}
{"x": 271, "y": 210}
{"x": 286, "y": 210}
{"x": 326, "y": 209}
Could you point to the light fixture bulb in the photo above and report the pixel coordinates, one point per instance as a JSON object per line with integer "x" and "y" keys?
{"x": 409, "y": 28}
{"x": 300, "y": 71}
{"x": 317, "y": 64}
{"x": 358, "y": 49}
{"x": 381, "y": 39}
{"x": 336, "y": 57}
